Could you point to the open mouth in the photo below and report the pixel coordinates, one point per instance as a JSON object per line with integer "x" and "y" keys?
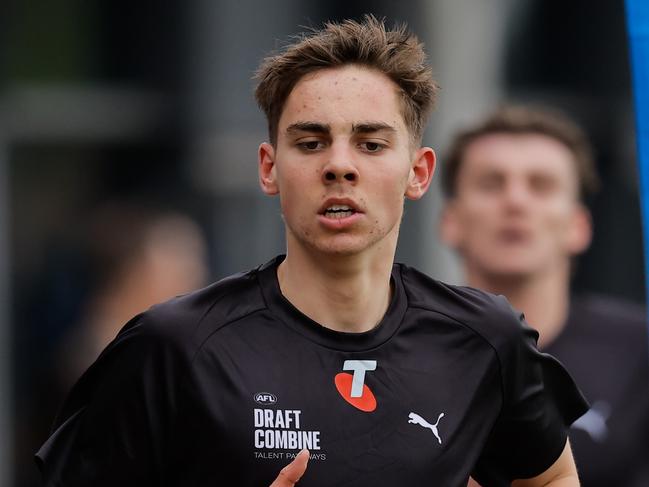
{"x": 339, "y": 211}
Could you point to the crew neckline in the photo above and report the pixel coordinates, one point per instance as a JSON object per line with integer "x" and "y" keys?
{"x": 292, "y": 317}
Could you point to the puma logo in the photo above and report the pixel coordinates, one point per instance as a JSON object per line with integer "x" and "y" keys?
{"x": 414, "y": 418}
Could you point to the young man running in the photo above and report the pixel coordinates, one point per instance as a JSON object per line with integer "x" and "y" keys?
{"x": 386, "y": 376}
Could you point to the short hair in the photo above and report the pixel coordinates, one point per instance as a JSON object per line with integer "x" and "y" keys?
{"x": 526, "y": 120}
{"x": 397, "y": 53}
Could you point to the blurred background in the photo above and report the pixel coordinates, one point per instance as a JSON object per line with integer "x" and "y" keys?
{"x": 128, "y": 139}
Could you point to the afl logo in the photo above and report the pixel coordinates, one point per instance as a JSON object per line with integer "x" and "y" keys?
{"x": 265, "y": 398}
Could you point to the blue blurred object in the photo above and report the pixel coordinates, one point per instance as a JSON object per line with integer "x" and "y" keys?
{"x": 637, "y": 12}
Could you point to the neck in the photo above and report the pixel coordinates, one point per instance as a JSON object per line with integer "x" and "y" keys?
{"x": 348, "y": 293}
{"x": 544, "y": 297}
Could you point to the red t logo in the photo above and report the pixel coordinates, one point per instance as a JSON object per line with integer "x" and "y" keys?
{"x": 352, "y": 387}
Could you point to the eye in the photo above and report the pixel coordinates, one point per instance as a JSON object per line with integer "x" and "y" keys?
{"x": 311, "y": 145}
{"x": 372, "y": 146}
{"x": 543, "y": 184}
{"x": 490, "y": 182}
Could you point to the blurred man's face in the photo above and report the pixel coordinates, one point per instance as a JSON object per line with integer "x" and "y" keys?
{"x": 516, "y": 211}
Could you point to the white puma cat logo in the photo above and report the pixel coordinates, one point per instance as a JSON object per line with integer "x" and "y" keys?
{"x": 414, "y": 418}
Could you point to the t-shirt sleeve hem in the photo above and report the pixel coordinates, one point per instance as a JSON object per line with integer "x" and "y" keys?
{"x": 546, "y": 462}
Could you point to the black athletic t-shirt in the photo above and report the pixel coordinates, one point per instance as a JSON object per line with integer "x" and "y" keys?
{"x": 227, "y": 384}
{"x": 604, "y": 345}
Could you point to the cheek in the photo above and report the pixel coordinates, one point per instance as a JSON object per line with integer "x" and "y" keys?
{"x": 479, "y": 213}
{"x": 558, "y": 218}
{"x": 294, "y": 183}
{"x": 475, "y": 226}
{"x": 388, "y": 191}
{"x": 391, "y": 178}
{"x": 292, "y": 204}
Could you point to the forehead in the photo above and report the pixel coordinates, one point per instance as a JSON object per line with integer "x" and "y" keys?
{"x": 519, "y": 154}
{"x": 344, "y": 96}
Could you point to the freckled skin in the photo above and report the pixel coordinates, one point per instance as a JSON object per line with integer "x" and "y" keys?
{"x": 340, "y": 98}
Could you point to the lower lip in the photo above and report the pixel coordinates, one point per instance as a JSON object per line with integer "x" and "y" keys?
{"x": 339, "y": 223}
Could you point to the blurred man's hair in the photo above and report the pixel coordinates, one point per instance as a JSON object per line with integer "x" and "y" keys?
{"x": 121, "y": 234}
{"x": 521, "y": 120}
{"x": 396, "y": 53}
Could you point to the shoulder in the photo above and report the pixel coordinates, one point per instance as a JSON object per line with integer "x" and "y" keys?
{"x": 193, "y": 317}
{"x": 602, "y": 324}
{"x": 176, "y": 329}
{"x": 606, "y": 323}
{"x": 166, "y": 337}
{"x": 600, "y": 310}
{"x": 488, "y": 315}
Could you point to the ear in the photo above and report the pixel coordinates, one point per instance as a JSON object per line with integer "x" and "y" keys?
{"x": 449, "y": 227}
{"x": 421, "y": 173}
{"x": 580, "y": 233}
{"x": 267, "y": 171}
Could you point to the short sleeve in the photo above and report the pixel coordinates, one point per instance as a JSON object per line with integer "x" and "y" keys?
{"x": 114, "y": 426}
{"x": 540, "y": 402}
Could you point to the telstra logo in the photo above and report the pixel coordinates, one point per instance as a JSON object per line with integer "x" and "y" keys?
{"x": 353, "y": 388}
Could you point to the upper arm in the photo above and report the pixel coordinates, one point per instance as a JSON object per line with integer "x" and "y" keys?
{"x": 541, "y": 401}
{"x": 562, "y": 473}
{"x": 117, "y": 416}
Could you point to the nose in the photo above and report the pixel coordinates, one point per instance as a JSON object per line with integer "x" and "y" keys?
{"x": 517, "y": 194}
{"x": 331, "y": 176}
{"x": 340, "y": 167}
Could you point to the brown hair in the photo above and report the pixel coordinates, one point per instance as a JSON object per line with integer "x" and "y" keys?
{"x": 526, "y": 120}
{"x": 397, "y": 53}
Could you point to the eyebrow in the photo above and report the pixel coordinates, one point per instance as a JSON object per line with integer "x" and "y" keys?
{"x": 369, "y": 127}
{"x": 315, "y": 127}
{"x": 323, "y": 128}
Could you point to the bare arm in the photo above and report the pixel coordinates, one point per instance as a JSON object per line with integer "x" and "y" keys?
{"x": 562, "y": 473}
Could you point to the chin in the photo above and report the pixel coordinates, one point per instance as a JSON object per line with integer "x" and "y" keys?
{"x": 507, "y": 260}
{"x": 341, "y": 248}
{"x": 342, "y": 245}
{"x": 511, "y": 271}
{"x": 345, "y": 244}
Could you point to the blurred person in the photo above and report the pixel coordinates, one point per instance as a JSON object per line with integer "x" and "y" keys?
{"x": 137, "y": 258}
{"x": 122, "y": 257}
{"x": 516, "y": 185}
{"x": 377, "y": 374}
